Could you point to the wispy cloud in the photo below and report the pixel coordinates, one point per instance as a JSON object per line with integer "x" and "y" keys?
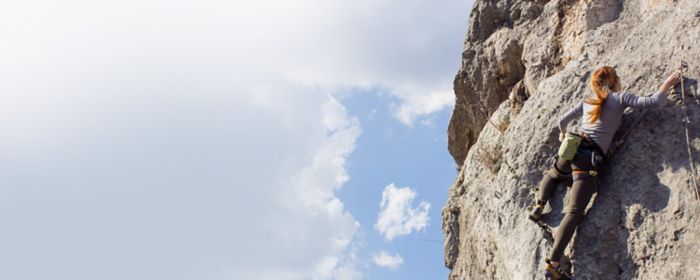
{"x": 397, "y": 215}
{"x": 384, "y": 259}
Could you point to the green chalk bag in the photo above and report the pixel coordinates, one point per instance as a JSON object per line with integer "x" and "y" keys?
{"x": 568, "y": 147}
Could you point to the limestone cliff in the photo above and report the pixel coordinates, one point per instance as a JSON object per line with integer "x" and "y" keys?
{"x": 524, "y": 64}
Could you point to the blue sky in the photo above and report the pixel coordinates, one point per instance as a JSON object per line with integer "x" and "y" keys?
{"x": 226, "y": 140}
{"x": 390, "y": 152}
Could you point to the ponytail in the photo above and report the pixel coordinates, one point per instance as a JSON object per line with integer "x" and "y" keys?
{"x": 602, "y": 81}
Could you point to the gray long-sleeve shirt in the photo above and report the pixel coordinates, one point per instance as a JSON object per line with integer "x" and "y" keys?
{"x": 603, "y": 130}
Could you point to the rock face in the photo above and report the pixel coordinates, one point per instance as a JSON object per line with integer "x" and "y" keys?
{"x": 524, "y": 64}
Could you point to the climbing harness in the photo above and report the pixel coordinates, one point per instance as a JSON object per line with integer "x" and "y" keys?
{"x": 686, "y": 121}
{"x": 583, "y": 171}
{"x": 596, "y": 153}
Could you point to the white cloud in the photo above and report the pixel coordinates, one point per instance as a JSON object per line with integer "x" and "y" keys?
{"x": 384, "y": 259}
{"x": 416, "y": 105}
{"x": 152, "y": 145}
{"x": 397, "y": 215}
{"x": 200, "y": 137}
{"x": 202, "y": 185}
{"x": 409, "y": 49}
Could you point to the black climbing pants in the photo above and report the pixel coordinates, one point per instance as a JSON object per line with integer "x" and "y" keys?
{"x": 583, "y": 188}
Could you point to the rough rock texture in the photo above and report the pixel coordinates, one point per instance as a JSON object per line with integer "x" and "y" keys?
{"x": 524, "y": 64}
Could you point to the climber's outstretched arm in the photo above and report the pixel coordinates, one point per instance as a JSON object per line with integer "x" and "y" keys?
{"x": 658, "y": 99}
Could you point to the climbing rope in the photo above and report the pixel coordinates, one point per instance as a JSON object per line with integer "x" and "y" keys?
{"x": 686, "y": 121}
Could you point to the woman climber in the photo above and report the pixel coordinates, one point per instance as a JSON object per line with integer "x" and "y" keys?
{"x": 580, "y": 154}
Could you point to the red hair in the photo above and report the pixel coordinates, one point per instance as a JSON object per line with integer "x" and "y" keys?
{"x": 604, "y": 79}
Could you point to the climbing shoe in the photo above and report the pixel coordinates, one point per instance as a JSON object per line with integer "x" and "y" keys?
{"x": 550, "y": 272}
{"x": 536, "y": 213}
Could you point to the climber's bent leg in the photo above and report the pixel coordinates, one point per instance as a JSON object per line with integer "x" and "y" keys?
{"x": 581, "y": 192}
{"x": 560, "y": 170}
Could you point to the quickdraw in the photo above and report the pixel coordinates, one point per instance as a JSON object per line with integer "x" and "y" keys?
{"x": 686, "y": 121}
